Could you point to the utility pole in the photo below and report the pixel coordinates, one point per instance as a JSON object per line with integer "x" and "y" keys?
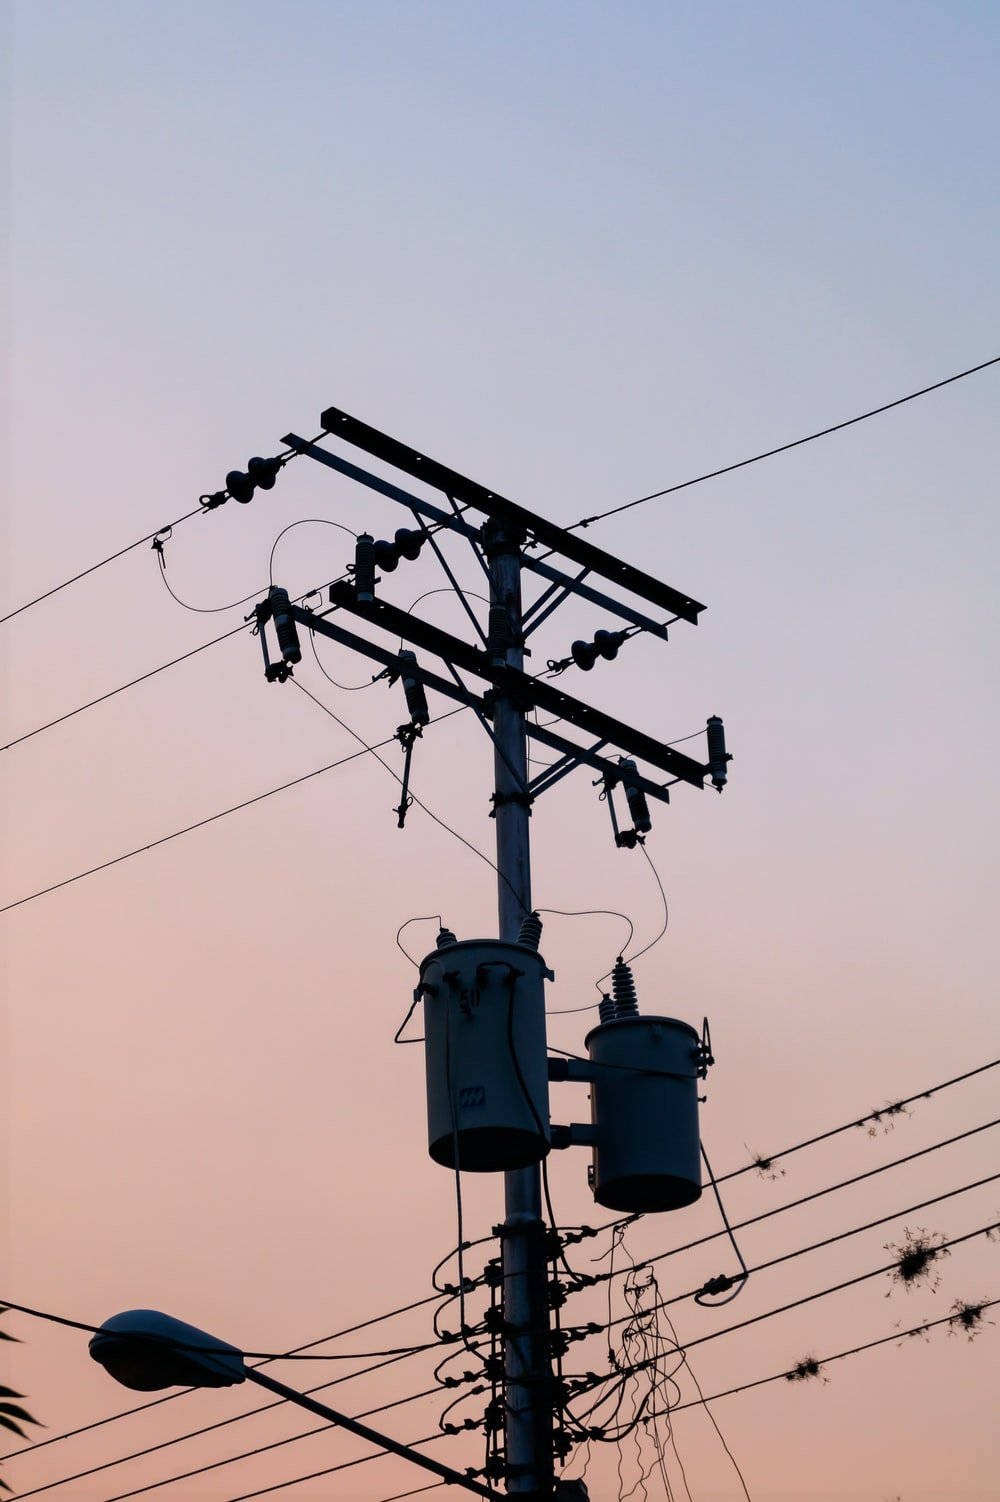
{"x": 645, "y": 1140}
{"x": 527, "y": 1363}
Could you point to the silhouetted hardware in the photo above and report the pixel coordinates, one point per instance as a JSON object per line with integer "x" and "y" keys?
{"x": 636, "y": 800}
{"x": 341, "y": 425}
{"x": 416, "y": 699}
{"x": 718, "y": 756}
{"x": 260, "y": 475}
{"x": 364, "y": 567}
{"x": 605, "y": 644}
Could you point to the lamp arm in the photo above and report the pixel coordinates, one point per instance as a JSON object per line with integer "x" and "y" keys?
{"x": 447, "y": 1473}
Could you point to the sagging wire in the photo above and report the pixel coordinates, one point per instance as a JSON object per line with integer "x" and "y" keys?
{"x": 732, "y": 1287}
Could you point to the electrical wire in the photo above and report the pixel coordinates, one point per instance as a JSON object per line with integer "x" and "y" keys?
{"x": 199, "y": 510}
{"x": 261, "y": 1356}
{"x": 870, "y": 1345}
{"x": 174, "y": 661}
{"x": 102, "y": 698}
{"x": 222, "y": 1424}
{"x": 304, "y": 521}
{"x": 348, "y": 688}
{"x": 806, "y": 1199}
{"x": 584, "y": 521}
{"x": 278, "y": 1486}
{"x": 308, "y": 1345}
{"x": 740, "y": 1282}
{"x": 847, "y": 1126}
{"x": 808, "y": 1298}
{"x": 222, "y": 814}
{"x": 838, "y": 1236}
{"x": 631, "y": 959}
{"x": 392, "y": 773}
{"x": 201, "y": 609}
{"x": 783, "y": 448}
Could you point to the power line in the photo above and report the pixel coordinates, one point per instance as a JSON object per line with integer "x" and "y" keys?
{"x": 261, "y": 1356}
{"x": 894, "y": 1107}
{"x": 202, "y": 509}
{"x": 821, "y": 1361}
{"x": 806, "y": 1199}
{"x": 808, "y": 1298}
{"x": 244, "y": 1455}
{"x": 345, "y": 1465}
{"x": 102, "y": 698}
{"x": 584, "y": 521}
{"x": 211, "y": 818}
{"x": 198, "y": 511}
{"x": 214, "y": 1465}
{"x": 783, "y": 448}
{"x": 816, "y": 1246}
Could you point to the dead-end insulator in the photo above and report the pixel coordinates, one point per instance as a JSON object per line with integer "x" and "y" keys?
{"x": 623, "y": 990}
{"x": 530, "y": 933}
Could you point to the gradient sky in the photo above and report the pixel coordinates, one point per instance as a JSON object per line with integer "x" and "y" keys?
{"x": 578, "y": 252}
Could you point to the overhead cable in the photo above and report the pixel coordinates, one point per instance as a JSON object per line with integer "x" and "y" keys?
{"x": 805, "y": 1199}
{"x": 230, "y": 1460}
{"x": 822, "y": 1361}
{"x": 237, "y": 1418}
{"x": 206, "y": 504}
{"x": 803, "y": 1251}
{"x": 783, "y": 448}
{"x": 211, "y": 818}
{"x": 808, "y": 1298}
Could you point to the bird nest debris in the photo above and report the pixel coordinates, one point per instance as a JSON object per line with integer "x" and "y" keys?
{"x": 916, "y": 1258}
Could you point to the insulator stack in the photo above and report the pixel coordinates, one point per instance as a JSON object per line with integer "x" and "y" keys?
{"x": 284, "y": 625}
{"x": 260, "y": 475}
{"x": 606, "y": 1008}
{"x": 717, "y": 755}
{"x": 605, "y": 644}
{"x": 623, "y": 990}
{"x": 445, "y": 938}
{"x": 416, "y": 699}
{"x": 531, "y": 931}
{"x": 364, "y": 567}
{"x": 636, "y": 799}
{"x": 405, "y": 544}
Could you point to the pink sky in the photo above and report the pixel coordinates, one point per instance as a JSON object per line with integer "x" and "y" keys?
{"x": 579, "y": 254}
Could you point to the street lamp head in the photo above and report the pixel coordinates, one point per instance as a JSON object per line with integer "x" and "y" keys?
{"x": 146, "y": 1350}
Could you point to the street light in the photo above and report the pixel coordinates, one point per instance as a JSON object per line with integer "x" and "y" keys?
{"x": 145, "y": 1350}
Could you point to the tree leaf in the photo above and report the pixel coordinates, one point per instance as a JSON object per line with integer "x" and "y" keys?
{"x": 15, "y": 1411}
{"x": 8, "y": 1392}
{"x": 9, "y": 1424}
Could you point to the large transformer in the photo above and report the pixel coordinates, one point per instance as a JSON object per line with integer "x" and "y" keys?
{"x": 644, "y": 1109}
{"x": 485, "y": 1052}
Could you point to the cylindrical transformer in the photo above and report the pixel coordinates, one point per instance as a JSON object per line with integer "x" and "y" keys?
{"x": 644, "y": 1108}
{"x": 485, "y": 1051}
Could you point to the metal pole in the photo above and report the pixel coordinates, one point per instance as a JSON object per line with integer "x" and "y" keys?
{"x": 446, "y": 1472}
{"x": 527, "y": 1364}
